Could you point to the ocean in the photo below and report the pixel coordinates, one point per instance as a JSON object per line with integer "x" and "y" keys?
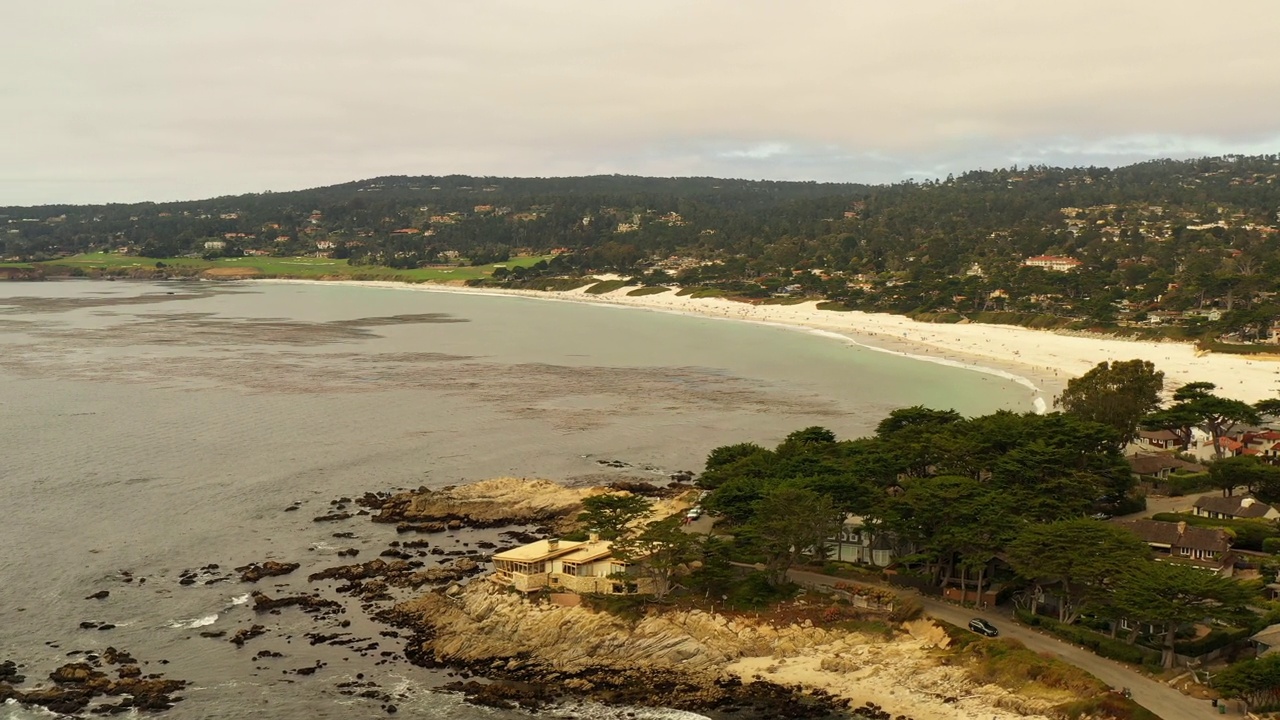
{"x": 154, "y": 430}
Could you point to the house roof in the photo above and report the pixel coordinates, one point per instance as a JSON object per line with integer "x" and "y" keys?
{"x": 1229, "y": 443}
{"x": 1152, "y": 463}
{"x": 1161, "y": 435}
{"x": 538, "y": 550}
{"x": 588, "y": 551}
{"x": 1240, "y": 506}
{"x": 1179, "y": 534}
{"x": 1269, "y": 636}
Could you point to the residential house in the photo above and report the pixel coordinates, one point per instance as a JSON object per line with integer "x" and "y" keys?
{"x": 569, "y": 566}
{"x": 857, "y": 542}
{"x": 1240, "y": 507}
{"x": 214, "y": 245}
{"x": 1163, "y": 439}
{"x": 1053, "y": 262}
{"x": 1266, "y": 640}
{"x": 1206, "y": 548}
{"x": 1160, "y": 465}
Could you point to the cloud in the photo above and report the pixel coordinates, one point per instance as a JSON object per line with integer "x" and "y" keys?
{"x": 150, "y": 99}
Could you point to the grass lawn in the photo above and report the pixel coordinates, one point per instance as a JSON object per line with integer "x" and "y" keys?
{"x": 296, "y": 267}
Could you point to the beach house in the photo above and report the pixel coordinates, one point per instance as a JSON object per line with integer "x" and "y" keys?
{"x": 568, "y": 566}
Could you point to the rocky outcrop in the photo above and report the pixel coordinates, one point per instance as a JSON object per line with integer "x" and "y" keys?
{"x": 253, "y": 572}
{"x": 687, "y": 659}
{"x": 82, "y": 686}
{"x": 490, "y": 503}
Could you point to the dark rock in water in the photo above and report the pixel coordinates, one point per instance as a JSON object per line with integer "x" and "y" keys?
{"x": 9, "y": 673}
{"x": 213, "y": 633}
{"x": 307, "y": 603}
{"x": 332, "y": 517}
{"x": 100, "y": 595}
{"x": 246, "y": 634}
{"x": 106, "y": 626}
{"x": 267, "y": 654}
{"x": 86, "y": 625}
{"x": 348, "y": 552}
{"x": 346, "y": 535}
{"x": 292, "y": 508}
{"x": 363, "y": 571}
{"x": 253, "y": 572}
{"x": 112, "y": 656}
{"x": 428, "y": 527}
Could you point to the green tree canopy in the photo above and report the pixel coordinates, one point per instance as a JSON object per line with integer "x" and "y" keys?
{"x": 610, "y": 513}
{"x": 1116, "y": 394}
{"x": 663, "y": 551}
{"x": 791, "y": 524}
{"x": 1082, "y": 557}
{"x": 1169, "y": 595}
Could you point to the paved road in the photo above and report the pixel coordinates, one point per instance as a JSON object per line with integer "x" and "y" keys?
{"x": 1157, "y": 697}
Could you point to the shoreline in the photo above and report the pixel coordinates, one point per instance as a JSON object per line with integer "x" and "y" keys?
{"x": 1040, "y": 360}
{"x": 1043, "y": 382}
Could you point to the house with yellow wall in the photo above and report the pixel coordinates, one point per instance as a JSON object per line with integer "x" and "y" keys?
{"x": 568, "y": 566}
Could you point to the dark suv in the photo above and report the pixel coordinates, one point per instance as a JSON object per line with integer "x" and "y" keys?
{"x": 982, "y": 627}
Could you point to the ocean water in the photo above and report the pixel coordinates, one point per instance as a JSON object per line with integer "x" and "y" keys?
{"x": 156, "y": 428}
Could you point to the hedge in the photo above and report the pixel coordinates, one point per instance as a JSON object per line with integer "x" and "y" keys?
{"x": 1100, "y": 644}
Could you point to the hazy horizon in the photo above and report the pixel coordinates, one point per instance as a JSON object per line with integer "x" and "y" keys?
{"x": 145, "y": 100}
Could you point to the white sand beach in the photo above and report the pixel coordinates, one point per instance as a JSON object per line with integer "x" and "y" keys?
{"x": 1040, "y": 359}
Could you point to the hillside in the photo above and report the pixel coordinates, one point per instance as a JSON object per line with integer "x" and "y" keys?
{"x": 1163, "y": 248}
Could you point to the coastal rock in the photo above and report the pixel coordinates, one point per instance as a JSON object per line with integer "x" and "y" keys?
{"x": 686, "y": 659}
{"x": 246, "y": 634}
{"x": 307, "y": 603}
{"x": 9, "y": 673}
{"x": 253, "y": 572}
{"x": 100, "y": 595}
{"x": 490, "y": 503}
{"x": 77, "y": 686}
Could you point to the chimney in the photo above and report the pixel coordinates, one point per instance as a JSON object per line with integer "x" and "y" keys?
{"x": 1182, "y": 528}
{"x": 593, "y": 538}
{"x": 554, "y": 543}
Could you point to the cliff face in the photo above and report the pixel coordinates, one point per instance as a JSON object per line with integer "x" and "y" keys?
{"x": 486, "y": 625}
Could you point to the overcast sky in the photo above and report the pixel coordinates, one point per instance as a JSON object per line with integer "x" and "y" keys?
{"x": 130, "y": 100}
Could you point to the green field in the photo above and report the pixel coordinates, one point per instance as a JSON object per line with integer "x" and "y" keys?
{"x": 296, "y": 267}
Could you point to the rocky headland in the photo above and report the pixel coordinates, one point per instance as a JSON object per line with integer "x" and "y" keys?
{"x": 694, "y": 660}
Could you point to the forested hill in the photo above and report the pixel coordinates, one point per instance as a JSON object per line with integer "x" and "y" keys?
{"x": 1157, "y": 243}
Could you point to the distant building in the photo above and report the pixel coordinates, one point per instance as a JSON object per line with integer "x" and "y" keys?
{"x": 215, "y": 245}
{"x": 1052, "y": 262}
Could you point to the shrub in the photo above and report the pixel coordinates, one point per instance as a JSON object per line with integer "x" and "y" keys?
{"x": 1271, "y": 545}
{"x": 1098, "y": 643}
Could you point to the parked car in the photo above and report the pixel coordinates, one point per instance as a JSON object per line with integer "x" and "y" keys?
{"x": 982, "y": 627}
{"x": 694, "y": 513}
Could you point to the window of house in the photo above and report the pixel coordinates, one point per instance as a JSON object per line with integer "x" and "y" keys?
{"x": 1184, "y": 552}
{"x": 570, "y": 569}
